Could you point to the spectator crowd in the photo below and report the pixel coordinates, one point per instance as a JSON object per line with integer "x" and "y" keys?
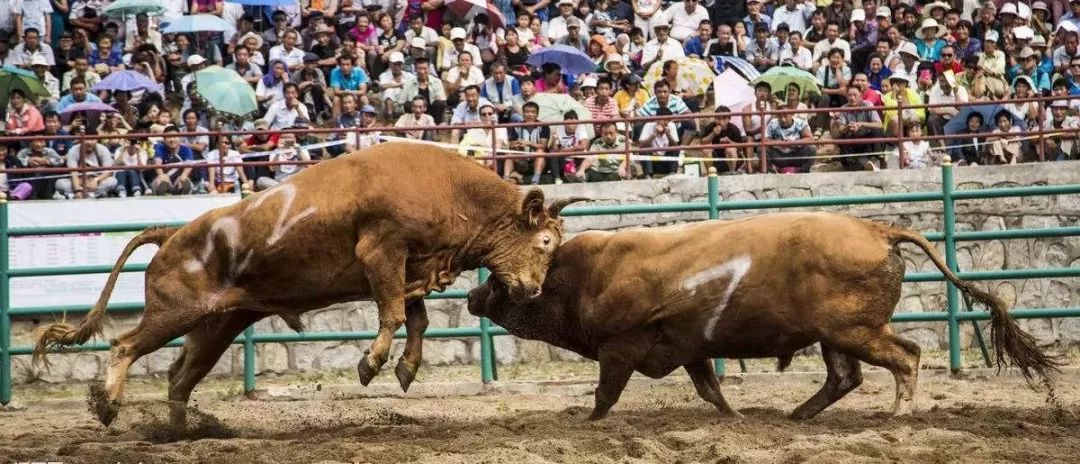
{"x": 394, "y": 67}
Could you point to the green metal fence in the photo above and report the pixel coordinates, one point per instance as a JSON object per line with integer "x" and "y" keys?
{"x": 953, "y": 316}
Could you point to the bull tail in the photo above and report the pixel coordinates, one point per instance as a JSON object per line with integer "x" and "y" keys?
{"x": 63, "y": 334}
{"x": 1009, "y": 339}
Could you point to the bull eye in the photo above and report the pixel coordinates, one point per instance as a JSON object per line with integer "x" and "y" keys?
{"x": 546, "y": 240}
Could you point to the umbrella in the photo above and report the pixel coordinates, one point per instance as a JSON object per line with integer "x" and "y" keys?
{"x": 734, "y": 92}
{"x": 127, "y": 81}
{"x": 197, "y": 23}
{"x": 553, "y": 106}
{"x": 694, "y": 74}
{"x": 264, "y": 2}
{"x": 12, "y": 78}
{"x": 129, "y": 8}
{"x": 988, "y": 112}
{"x": 468, "y": 9}
{"x": 88, "y": 107}
{"x": 570, "y": 59}
{"x": 780, "y": 77}
{"x": 226, "y": 92}
{"x": 741, "y": 66}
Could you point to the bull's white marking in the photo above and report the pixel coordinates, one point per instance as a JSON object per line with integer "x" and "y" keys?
{"x": 735, "y": 269}
{"x": 288, "y": 194}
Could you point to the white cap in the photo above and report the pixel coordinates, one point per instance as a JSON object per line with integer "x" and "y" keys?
{"x": 1023, "y": 11}
{"x": 858, "y": 14}
{"x": 38, "y": 60}
{"x": 1023, "y": 33}
{"x": 195, "y": 60}
{"x": 418, "y": 42}
{"x": 397, "y": 57}
{"x": 902, "y": 77}
{"x": 565, "y": 2}
{"x": 883, "y": 11}
{"x": 588, "y": 81}
{"x": 1008, "y": 8}
{"x": 909, "y": 48}
{"x": 992, "y": 35}
{"x": 457, "y": 33}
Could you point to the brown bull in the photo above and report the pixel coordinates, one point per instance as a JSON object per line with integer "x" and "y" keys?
{"x": 391, "y": 223}
{"x": 654, "y": 300}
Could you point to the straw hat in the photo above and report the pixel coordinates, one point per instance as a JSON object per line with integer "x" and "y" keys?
{"x": 929, "y": 8}
{"x": 251, "y": 36}
{"x": 929, "y": 23}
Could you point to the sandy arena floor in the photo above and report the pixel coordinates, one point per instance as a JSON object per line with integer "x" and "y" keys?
{"x": 449, "y": 418}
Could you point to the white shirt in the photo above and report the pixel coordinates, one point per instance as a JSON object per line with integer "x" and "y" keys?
{"x": 557, "y": 27}
{"x": 672, "y": 50}
{"x": 225, "y": 173}
{"x": 281, "y": 117}
{"x": 958, "y": 95}
{"x": 450, "y": 56}
{"x": 684, "y": 24}
{"x": 475, "y": 77}
{"x": 428, "y": 34}
{"x": 20, "y": 57}
{"x": 35, "y": 14}
{"x": 802, "y": 58}
{"x": 798, "y": 20}
{"x": 6, "y": 8}
{"x": 295, "y": 57}
{"x": 821, "y": 50}
{"x": 173, "y": 9}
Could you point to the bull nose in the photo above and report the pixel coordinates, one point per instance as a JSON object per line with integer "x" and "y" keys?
{"x": 536, "y": 293}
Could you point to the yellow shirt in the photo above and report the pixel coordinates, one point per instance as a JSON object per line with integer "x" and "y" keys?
{"x": 625, "y": 101}
{"x": 889, "y": 101}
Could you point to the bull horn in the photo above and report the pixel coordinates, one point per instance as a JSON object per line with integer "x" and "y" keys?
{"x": 557, "y": 206}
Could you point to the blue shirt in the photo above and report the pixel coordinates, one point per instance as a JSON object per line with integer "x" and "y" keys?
{"x": 161, "y": 152}
{"x": 353, "y": 82}
{"x": 929, "y": 51}
{"x": 694, "y": 46}
{"x": 69, "y": 100}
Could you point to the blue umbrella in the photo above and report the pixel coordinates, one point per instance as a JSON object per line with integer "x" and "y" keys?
{"x": 741, "y": 66}
{"x": 988, "y": 113}
{"x": 570, "y": 59}
{"x": 127, "y": 81}
{"x": 197, "y": 23}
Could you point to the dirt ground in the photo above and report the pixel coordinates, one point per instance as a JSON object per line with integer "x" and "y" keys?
{"x": 449, "y": 418}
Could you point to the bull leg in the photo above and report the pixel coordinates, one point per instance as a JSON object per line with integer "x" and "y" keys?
{"x": 384, "y": 262}
{"x": 416, "y": 322}
{"x": 881, "y": 347}
{"x": 708, "y": 387}
{"x": 202, "y": 349}
{"x": 614, "y": 374}
{"x": 844, "y": 375}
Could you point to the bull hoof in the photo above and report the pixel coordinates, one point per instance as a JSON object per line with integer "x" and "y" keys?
{"x": 105, "y": 410}
{"x": 405, "y": 375}
{"x": 366, "y": 371}
{"x": 597, "y": 415}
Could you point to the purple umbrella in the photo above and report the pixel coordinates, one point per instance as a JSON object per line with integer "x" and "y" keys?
{"x": 570, "y": 59}
{"x": 127, "y": 81}
{"x": 89, "y": 108}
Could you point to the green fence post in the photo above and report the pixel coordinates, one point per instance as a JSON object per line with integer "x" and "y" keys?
{"x": 249, "y": 340}
{"x": 952, "y": 295}
{"x": 5, "y": 304}
{"x": 719, "y": 364}
{"x": 487, "y": 342}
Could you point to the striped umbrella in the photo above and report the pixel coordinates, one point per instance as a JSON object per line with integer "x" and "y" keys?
{"x": 741, "y": 66}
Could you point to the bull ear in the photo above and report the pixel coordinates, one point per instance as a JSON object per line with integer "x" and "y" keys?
{"x": 532, "y": 207}
{"x": 557, "y": 206}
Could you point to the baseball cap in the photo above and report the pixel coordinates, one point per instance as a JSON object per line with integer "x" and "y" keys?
{"x": 589, "y": 81}
{"x": 1008, "y": 8}
{"x": 1023, "y": 33}
{"x": 418, "y": 42}
{"x": 1027, "y": 52}
{"x": 457, "y": 33}
{"x": 368, "y": 109}
{"x": 39, "y": 60}
{"x": 310, "y": 57}
{"x": 992, "y": 35}
{"x": 195, "y": 60}
{"x": 565, "y": 2}
{"x": 858, "y": 14}
{"x": 573, "y": 22}
{"x": 261, "y": 124}
{"x": 883, "y": 11}
{"x": 397, "y": 57}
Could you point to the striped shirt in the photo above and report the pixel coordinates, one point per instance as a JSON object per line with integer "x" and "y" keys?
{"x": 674, "y": 103}
{"x": 608, "y": 110}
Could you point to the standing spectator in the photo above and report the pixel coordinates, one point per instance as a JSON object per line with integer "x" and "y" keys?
{"x": 659, "y": 135}
{"x": 918, "y": 153}
{"x": 789, "y": 158}
{"x": 176, "y": 180}
{"x": 90, "y": 184}
{"x": 286, "y": 152}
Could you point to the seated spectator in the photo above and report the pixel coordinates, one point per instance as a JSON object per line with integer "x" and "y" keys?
{"x": 22, "y": 116}
{"x": 417, "y": 117}
{"x": 130, "y": 153}
{"x": 659, "y": 135}
{"x": 1004, "y": 147}
{"x": 283, "y": 113}
{"x": 694, "y": 47}
{"x": 38, "y": 155}
{"x": 1028, "y": 66}
{"x": 928, "y": 40}
{"x": 574, "y": 38}
{"x": 483, "y": 142}
{"x": 468, "y": 111}
{"x": 392, "y": 83}
{"x": 631, "y": 97}
{"x": 429, "y": 88}
{"x": 685, "y": 17}
{"x": 552, "y": 80}
{"x": 1062, "y": 145}
{"x": 831, "y": 41}
{"x": 610, "y": 162}
{"x": 917, "y": 152}
{"x": 347, "y": 79}
{"x": 721, "y": 131}
{"x": 568, "y": 137}
{"x": 90, "y": 184}
{"x": 9, "y": 185}
{"x": 532, "y": 139}
{"x": 861, "y": 123}
{"x": 969, "y": 146}
{"x": 600, "y": 105}
{"x": 662, "y": 48}
{"x": 363, "y": 139}
{"x": 286, "y": 152}
{"x": 78, "y": 94}
{"x": 175, "y": 180}
{"x": 662, "y": 97}
{"x": 261, "y": 141}
{"x": 500, "y": 89}
{"x": 992, "y": 63}
{"x": 834, "y": 77}
{"x": 764, "y": 102}
{"x": 945, "y": 92}
{"x": 462, "y": 76}
{"x": 789, "y": 158}
{"x": 761, "y": 52}
{"x": 224, "y": 179}
{"x": 558, "y": 27}
{"x": 458, "y": 45}
{"x": 909, "y": 97}
{"x": 271, "y": 88}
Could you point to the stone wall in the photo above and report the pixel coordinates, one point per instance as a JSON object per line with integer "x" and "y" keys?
{"x": 1004, "y": 213}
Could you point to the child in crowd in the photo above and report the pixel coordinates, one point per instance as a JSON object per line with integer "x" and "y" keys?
{"x": 918, "y": 153}
{"x": 1004, "y": 149}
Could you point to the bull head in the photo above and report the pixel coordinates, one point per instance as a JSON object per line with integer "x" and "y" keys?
{"x": 523, "y": 253}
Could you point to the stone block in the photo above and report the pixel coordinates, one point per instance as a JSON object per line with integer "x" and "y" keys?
{"x": 344, "y": 356}
{"x": 533, "y": 351}
{"x": 927, "y": 338}
{"x": 445, "y": 352}
{"x": 271, "y": 357}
